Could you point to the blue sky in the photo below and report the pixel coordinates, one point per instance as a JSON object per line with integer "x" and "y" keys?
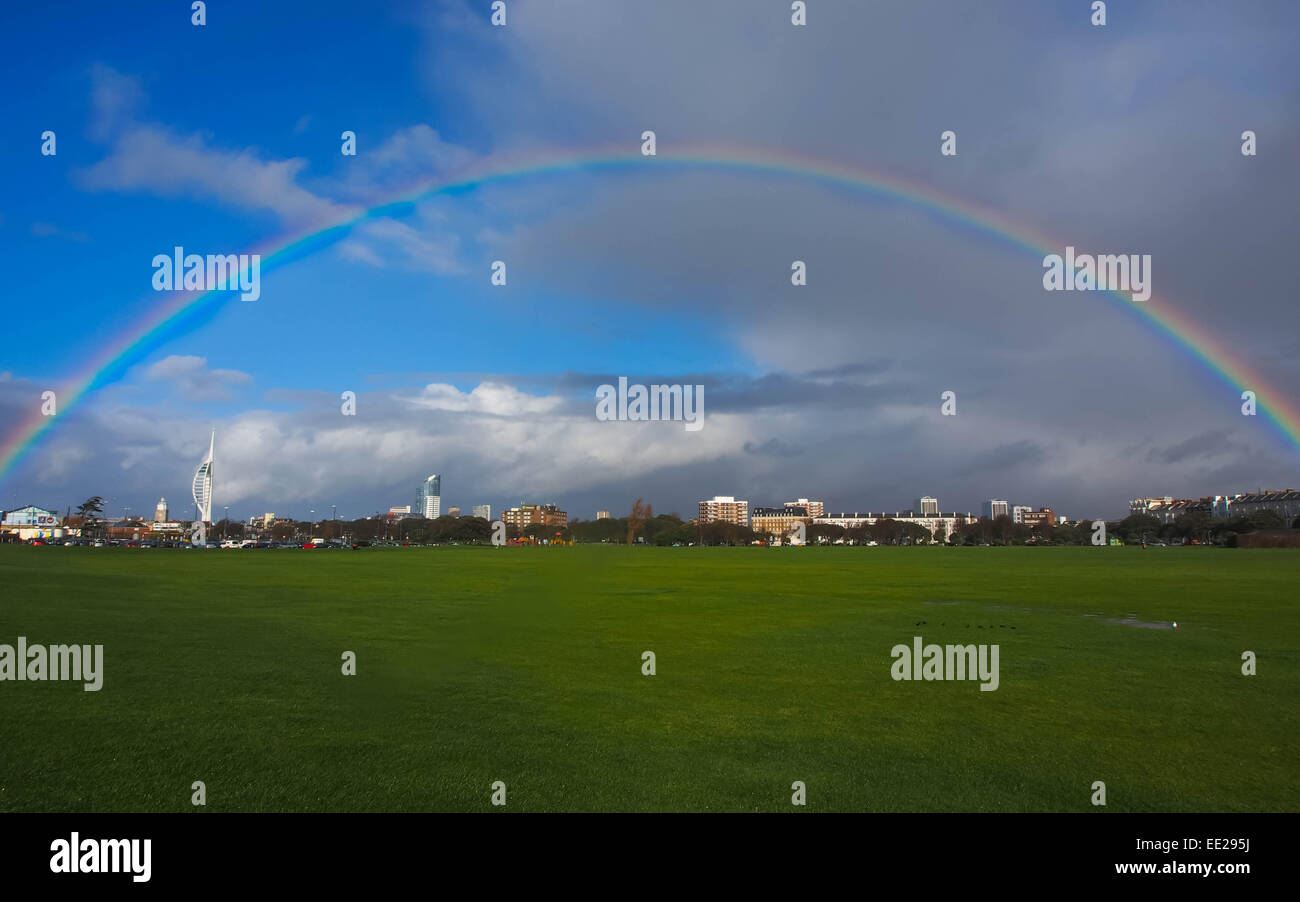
{"x": 443, "y": 321}
{"x": 223, "y": 137}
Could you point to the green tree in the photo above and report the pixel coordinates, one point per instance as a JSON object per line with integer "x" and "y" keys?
{"x": 473, "y": 529}
{"x": 681, "y": 534}
{"x": 1194, "y": 525}
{"x": 609, "y": 529}
{"x": 825, "y": 533}
{"x": 1045, "y": 533}
{"x": 1137, "y": 527}
{"x": 90, "y": 511}
{"x": 1266, "y": 520}
{"x": 658, "y": 525}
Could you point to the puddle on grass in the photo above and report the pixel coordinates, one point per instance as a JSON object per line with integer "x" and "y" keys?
{"x": 1131, "y": 620}
{"x": 1126, "y": 620}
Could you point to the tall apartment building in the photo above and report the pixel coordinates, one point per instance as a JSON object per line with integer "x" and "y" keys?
{"x": 925, "y": 506}
{"x": 724, "y": 508}
{"x": 814, "y": 508}
{"x": 1018, "y": 512}
{"x": 602, "y": 515}
{"x": 428, "y": 500}
{"x": 160, "y": 512}
{"x": 483, "y": 510}
{"x": 994, "y": 509}
{"x": 526, "y": 515}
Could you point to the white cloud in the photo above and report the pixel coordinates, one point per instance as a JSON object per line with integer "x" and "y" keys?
{"x": 156, "y": 160}
{"x": 429, "y": 250}
{"x": 152, "y": 158}
{"x": 193, "y": 380}
{"x": 410, "y": 156}
{"x": 115, "y": 100}
{"x": 488, "y": 397}
{"x": 48, "y": 230}
{"x": 357, "y": 252}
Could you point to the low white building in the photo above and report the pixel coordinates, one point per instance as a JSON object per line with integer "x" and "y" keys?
{"x": 939, "y": 524}
{"x": 30, "y": 516}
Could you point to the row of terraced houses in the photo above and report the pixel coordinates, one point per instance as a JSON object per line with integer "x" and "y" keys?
{"x": 1286, "y": 503}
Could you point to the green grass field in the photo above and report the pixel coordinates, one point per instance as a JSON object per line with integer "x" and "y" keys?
{"x": 773, "y": 665}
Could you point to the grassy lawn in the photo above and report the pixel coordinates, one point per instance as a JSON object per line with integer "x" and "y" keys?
{"x": 773, "y": 665}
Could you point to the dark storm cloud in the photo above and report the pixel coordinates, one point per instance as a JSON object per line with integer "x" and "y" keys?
{"x": 1119, "y": 139}
{"x": 1005, "y": 459}
{"x": 1208, "y": 444}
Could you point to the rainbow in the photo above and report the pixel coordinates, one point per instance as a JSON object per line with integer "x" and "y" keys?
{"x": 180, "y": 312}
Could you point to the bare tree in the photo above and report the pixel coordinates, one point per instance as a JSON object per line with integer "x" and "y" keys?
{"x": 635, "y": 520}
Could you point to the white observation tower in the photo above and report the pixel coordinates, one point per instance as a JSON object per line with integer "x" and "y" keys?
{"x": 203, "y": 484}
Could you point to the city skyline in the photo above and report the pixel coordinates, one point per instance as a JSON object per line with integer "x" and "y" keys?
{"x": 918, "y": 277}
{"x": 428, "y": 504}
{"x": 740, "y": 510}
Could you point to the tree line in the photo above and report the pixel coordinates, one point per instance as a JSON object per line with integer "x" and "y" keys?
{"x": 643, "y": 526}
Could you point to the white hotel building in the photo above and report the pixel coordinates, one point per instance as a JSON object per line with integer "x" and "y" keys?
{"x": 725, "y": 508}
{"x": 939, "y": 524}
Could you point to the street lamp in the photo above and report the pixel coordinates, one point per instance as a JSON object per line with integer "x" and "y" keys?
{"x": 225, "y": 524}
{"x": 313, "y": 525}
